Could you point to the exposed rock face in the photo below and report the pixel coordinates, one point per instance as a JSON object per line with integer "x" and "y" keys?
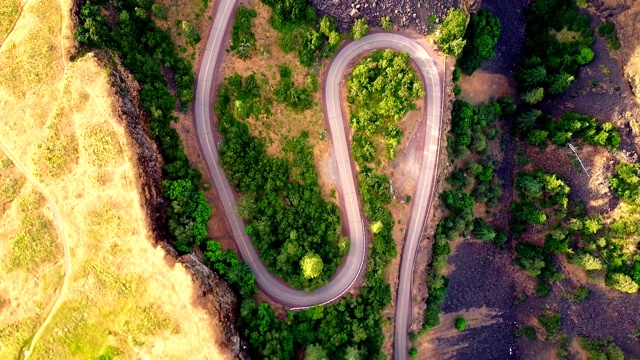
{"x": 412, "y": 14}
{"x": 219, "y": 299}
{"x": 626, "y": 16}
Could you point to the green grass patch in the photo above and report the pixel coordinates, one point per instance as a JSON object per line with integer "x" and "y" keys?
{"x": 101, "y": 146}
{"x": 35, "y": 241}
{"x": 9, "y": 10}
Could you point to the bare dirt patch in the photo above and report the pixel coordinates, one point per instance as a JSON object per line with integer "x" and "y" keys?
{"x": 483, "y": 86}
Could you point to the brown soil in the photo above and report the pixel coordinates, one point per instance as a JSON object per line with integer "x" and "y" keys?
{"x": 483, "y": 86}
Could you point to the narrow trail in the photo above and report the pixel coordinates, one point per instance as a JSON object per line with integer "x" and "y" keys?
{"x": 60, "y": 227}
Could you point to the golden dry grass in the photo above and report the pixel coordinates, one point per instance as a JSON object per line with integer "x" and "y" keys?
{"x": 125, "y": 297}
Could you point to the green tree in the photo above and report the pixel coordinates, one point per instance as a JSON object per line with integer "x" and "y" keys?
{"x": 533, "y": 96}
{"x": 452, "y": 32}
{"x": 481, "y": 36}
{"x": 483, "y": 231}
{"x": 360, "y": 29}
{"x": 315, "y": 352}
{"x": 311, "y": 265}
{"x": 385, "y": 23}
{"x": 585, "y": 56}
{"x": 537, "y": 137}
{"x": 160, "y": 11}
{"x": 413, "y": 352}
{"x": 622, "y": 282}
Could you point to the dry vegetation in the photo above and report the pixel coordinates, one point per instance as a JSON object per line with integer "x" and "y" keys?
{"x": 68, "y": 178}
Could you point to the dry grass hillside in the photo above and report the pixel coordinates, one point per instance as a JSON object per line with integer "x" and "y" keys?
{"x": 80, "y": 277}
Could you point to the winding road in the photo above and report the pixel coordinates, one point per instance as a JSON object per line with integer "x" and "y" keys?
{"x": 347, "y": 275}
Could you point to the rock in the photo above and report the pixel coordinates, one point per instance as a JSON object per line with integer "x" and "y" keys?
{"x": 354, "y": 13}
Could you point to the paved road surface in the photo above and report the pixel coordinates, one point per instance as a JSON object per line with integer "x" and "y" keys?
{"x": 344, "y": 279}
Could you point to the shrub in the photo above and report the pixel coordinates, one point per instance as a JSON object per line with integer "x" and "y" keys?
{"x": 604, "y": 349}
{"x": 461, "y": 323}
{"x": 413, "y": 352}
{"x": 626, "y": 182}
{"x": 581, "y": 293}
{"x": 160, "y": 11}
{"x": 243, "y": 39}
{"x": 360, "y": 29}
{"x": 385, "y": 23}
{"x": 551, "y": 322}
{"x": 190, "y": 32}
{"x": 608, "y": 31}
{"x": 527, "y": 331}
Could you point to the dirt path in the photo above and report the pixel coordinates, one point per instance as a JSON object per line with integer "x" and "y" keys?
{"x": 60, "y": 228}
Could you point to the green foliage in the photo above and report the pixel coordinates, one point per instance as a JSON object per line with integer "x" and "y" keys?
{"x": 481, "y": 36}
{"x": 607, "y": 30}
{"x": 604, "y": 349}
{"x": 527, "y": 331}
{"x": 581, "y": 294}
{"x": 160, "y": 11}
{"x": 457, "y": 73}
{"x": 311, "y": 265}
{"x": 551, "y": 322}
{"x": 457, "y": 90}
{"x": 622, "y": 282}
{"x": 364, "y": 150}
{"x": 243, "y": 39}
{"x": 470, "y": 126}
{"x": 190, "y": 32}
{"x": 298, "y": 98}
{"x": 359, "y": 29}
{"x": 381, "y": 90}
{"x": 626, "y": 183}
{"x": 461, "y": 323}
{"x": 386, "y": 24}
{"x": 551, "y": 61}
{"x": 234, "y": 271}
{"x": 537, "y": 137}
{"x": 533, "y": 96}
{"x": 483, "y": 231}
{"x": 315, "y": 352}
{"x": 300, "y": 30}
{"x": 413, "y": 352}
{"x": 452, "y": 31}
{"x": 187, "y": 214}
{"x": 290, "y": 219}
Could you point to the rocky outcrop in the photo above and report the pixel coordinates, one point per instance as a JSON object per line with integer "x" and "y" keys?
{"x": 218, "y": 298}
{"x": 625, "y": 15}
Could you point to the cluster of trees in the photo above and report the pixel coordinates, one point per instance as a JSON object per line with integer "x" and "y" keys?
{"x": 536, "y": 128}
{"x": 381, "y": 90}
{"x": 552, "y": 61}
{"x": 626, "y": 183}
{"x": 282, "y": 202}
{"x": 243, "y": 39}
{"x": 481, "y": 36}
{"x": 608, "y": 31}
{"x": 298, "y": 98}
{"x": 145, "y": 50}
{"x": 471, "y": 127}
{"x": 235, "y": 272}
{"x": 248, "y": 96}
{"x": 301, "y": 30}
{"x": 451, "y": 32}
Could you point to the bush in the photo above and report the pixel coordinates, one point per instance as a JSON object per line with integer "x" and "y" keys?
{"x": 386, "y": 24}
{"x": 551, "y": 322}
{"x": 452, "y": 30}
{"x": 527, "y": 331}
{"x": 160, "y": 11}
{"x": 604, "y": 349}
{"x": 461, "y": 323}
{"x": 190, "y": 32}
{"x": 607, "y": 30}
{"x": 481, "y": 36}
{"x": 413, "y": 352}
{"x": 360, "y": 29}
